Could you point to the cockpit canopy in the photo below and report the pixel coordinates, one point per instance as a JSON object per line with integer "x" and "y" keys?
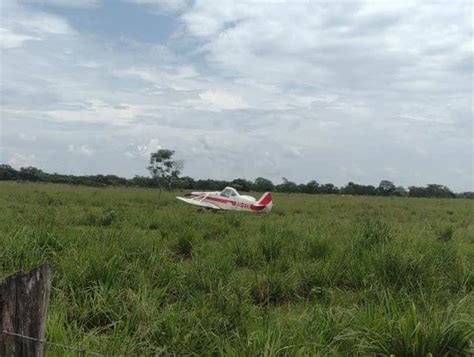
{"x": 229, "y": 192}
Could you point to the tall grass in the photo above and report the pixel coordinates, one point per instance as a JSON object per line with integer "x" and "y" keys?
{"x": 138, "y": 273}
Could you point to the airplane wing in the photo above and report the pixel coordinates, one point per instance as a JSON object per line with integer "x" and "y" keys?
{"x": 198, "y": 202}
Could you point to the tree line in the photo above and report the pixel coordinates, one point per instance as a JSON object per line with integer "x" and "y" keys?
{"x": 261, "y": 184}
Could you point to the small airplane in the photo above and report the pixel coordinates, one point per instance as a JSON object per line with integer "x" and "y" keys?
{"x": 229, "y": 199}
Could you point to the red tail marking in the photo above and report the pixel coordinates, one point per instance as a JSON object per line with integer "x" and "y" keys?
{"x": 266, "y": 199}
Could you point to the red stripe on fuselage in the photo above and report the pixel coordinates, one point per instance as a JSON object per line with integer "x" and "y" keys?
{"x": 235, "y": 203}
{"x": 220, "y": 200}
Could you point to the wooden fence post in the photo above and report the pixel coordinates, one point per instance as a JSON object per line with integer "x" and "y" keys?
{"x": 23, "y": 306}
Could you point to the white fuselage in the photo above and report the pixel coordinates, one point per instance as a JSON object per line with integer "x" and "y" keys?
{"x": 237, "y": 203}
{"x": 229, "y": 199}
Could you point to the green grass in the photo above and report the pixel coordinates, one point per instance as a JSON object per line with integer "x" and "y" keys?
{"x": 136, "y": 273}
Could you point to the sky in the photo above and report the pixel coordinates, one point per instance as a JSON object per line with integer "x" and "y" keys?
{"x": 308, "y": 90}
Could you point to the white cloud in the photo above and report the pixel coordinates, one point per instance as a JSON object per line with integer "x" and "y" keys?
{"x": 292, "y": 151}
{"x": 18, "y": 160}
{"x": 95, "y": 111}
{"x": 9, "y": 39}
{"x": 143, "y": 150}
{"x": 20, "y": 25}
{"x": 352, "y": 45}
{"x": 27, "y": 137}
{"x": 301, "y": 87}
{"x": 69, "y": 3}
{"x": 43, "y": 23}
{"x": 152, "y": 146}
{"x": 165, "y": 5}
{"x": 221, "y": 100}
{"x": 81, "y": 150}
{"x": 179, "y": 78}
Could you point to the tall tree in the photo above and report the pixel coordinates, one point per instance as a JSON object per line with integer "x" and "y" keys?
{"x": 262, "y": 184}
{"x": 312, "y": 187}
{"x": 163, "y": 168}
{"x": 8, "y": 173}
{"x": 400, "y": 191}
{"x": 386, "y": 188}
{"x": 287, "y": 186}
{"x": 242, "y": 185}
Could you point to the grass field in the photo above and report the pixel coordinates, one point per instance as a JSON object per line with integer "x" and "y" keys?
{"x": 136, "y": 273}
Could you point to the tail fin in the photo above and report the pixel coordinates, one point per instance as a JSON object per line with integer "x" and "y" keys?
{"x": 265, "y": 202}
{"x": 265, "y": 199}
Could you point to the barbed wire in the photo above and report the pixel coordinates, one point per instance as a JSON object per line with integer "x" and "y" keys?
{"x": 44, "y": 342}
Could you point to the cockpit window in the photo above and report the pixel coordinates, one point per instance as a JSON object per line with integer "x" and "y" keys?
{"x": 229, "y": 192}
{"x": 225, "y": 193}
